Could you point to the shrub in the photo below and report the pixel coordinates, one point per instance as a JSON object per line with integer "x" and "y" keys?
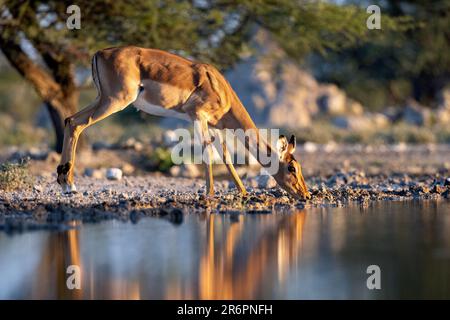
{"x": 407, "y": 133}
{"x": 15, "y": 175}
{"x": 160, "y": 159}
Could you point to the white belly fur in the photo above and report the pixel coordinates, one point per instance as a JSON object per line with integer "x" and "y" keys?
{"x": 155, "y": 110}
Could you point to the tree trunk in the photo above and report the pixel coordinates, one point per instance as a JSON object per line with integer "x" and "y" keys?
{"x": 61, "y": 99}
{"x": 69, "y": 103}
{"x": 58, "y": 116}
{"x": 58, "y": 125}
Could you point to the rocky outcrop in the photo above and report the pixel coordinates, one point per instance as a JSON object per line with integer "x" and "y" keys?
{"x": 415, "y": 114}
{"x": 277, "y": 93}
{"x": 361, "y": 122}
{"x": 443, "y": 111}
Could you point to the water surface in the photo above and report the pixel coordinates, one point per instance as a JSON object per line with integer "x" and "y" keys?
{"x": 314, "y": 253}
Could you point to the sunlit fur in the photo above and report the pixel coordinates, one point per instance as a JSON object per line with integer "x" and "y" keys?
{"x": 165, "y": 84}
{"x": 290, "y": 175}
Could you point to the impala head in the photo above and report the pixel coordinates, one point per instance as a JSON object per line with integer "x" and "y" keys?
{"x": 289, "y": 175}
{"x": 65, "y": 177}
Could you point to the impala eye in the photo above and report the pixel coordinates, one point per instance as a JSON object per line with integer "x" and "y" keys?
{"x": 291, "y": 169}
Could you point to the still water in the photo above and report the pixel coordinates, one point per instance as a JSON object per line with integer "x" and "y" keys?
{"x": 314, "y": 253}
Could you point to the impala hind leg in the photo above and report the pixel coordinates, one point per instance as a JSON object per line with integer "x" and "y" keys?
{"x": 74, "y": 125}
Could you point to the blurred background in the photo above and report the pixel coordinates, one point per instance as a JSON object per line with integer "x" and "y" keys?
{"x": 310, "y": 67}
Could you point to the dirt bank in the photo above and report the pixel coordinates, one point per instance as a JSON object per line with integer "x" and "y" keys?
{"x": 335, "y": 177}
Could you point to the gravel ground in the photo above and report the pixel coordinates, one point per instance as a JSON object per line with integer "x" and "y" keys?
{"x": 335, "y": 175}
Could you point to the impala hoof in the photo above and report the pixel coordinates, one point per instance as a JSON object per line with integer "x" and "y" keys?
{"x": 69, "y": 189}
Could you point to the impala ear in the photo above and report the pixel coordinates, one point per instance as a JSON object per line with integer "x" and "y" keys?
{"x": 292, "y": 144}
{"x": 282, "y": 147}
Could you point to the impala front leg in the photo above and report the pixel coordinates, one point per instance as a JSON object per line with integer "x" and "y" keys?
{"x": 226, "y": 157}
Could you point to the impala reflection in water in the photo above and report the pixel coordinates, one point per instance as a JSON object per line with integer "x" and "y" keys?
{"x": 315, "y": 253}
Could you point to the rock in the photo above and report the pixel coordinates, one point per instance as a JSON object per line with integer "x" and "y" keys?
{"x": 400, "y": 147}
{"x": 446, "y": 194}
{"x": 94, "y": 173}
{"x": 169, "y": 138}
{"x": 443, "y": 111}
{"x": 114, "y": 174}
{"x": 437, "y": 188}
{"x": 443, "y": 116}
{"x": 341, "y": 122}
{"x": 418, "y": 190}
{"x": 444, "y": 98}
{"x": 132, "y": 143}
{"x": 416, "y": 114}
{"x": 331, "y": 100}
{"x": 37, "y": 188}
{"x": 447, "y": 182}
{"x": 265, "y": 182}
{"x": 107, "y": 191}
{"x": 355, "y": 108}
{"x": 175, "y": 171}
{"x": 330, "y": 147}
{"x": 271, "y": 86}
{"x": 361, "y": 122}
{"x": 99, "y": 145}
{"x": 186, "y": 170}
{"x": 392, "y": 113}
{"x": 251, "y": 182}
{"x": 338, "y": 179}
{"x": 127, "y": 169}
{"x": 37, "y": 154}
{"x": 352, "y": 122}
{"x": 32, "y": 153}
{"x": 53, "y": 157}
{"x": 379, "y": 120}
{"x": 190, "y": 171}
{"x": 310, "y": 147}
{"x": 278, "y": 93}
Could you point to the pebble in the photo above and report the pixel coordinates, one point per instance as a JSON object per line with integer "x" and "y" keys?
{"x": 100, "y": 199}
{"x": 94, "y": 173}
{"x": 114, "y": 174}
{"x": 265, "y": 182}
{"x": 310, "y": 147}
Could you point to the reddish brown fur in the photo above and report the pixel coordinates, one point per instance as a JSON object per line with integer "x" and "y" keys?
{"x": 166, "y": 80}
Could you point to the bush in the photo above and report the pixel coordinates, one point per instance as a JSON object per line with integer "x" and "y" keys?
{"x": 407, "y": 133}
{"x": 442, "y": 133}
{"x": 318, "y": 132}
{"x": 15, "y": 175}
{"x": 160, "y": 159}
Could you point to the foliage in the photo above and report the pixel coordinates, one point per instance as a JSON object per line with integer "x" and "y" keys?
{"x": 160, "y": 159}
{"x": 399, "y": 65}
{"x": 216, "y": 31}
{"x": 15, "y": 175}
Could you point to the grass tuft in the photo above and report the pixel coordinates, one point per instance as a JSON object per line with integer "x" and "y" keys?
{"x": 14, "y": 176}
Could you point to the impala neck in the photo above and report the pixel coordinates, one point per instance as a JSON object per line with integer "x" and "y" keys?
{"x": 259, "y": 147}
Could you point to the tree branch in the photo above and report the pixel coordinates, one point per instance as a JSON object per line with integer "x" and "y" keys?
{"x": 43, "y": 83}
{"x": 52, "y": 53}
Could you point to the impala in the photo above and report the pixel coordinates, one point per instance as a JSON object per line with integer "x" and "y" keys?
{"x": 164, "y": 84}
